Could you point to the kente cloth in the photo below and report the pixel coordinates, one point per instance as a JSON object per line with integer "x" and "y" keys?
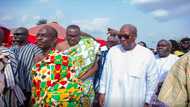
{"x": 71, "y": 64}
{"x": 84, "y": 55}
{"x": 54, "y": 82}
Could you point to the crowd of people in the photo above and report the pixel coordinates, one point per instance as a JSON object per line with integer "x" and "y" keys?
{"x": 78, "y": 72}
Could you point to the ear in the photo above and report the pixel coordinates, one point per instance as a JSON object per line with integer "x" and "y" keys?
{"x": 54, "y": 42}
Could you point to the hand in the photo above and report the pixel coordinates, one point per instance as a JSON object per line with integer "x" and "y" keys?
{"x": 82, "y": 78}
{"x": 38, "y": 58}
{"x": 112, "y": 31}
{"x": 101, "y": 99}
{"x": 2, "y": 83}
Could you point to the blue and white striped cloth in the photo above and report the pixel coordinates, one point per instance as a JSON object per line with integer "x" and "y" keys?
{"x": 11, "y": 77}
{"x": 10, "y": 67}
{"x": 25, "y": 56}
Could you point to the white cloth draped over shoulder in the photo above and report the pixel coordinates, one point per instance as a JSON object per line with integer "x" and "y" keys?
{"x": 165, "y": 65}
{"x": 129, "y": 77}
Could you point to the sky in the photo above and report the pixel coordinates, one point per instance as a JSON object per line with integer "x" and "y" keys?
{"x": 154, "y": 19}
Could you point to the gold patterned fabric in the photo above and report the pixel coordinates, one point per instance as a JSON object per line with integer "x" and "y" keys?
{"x": 176, "y": 88}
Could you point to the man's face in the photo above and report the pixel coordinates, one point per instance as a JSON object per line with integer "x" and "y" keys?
{"x": 44, "y": 39}
{"x": 185, "y": 45}
{"x": 20, "y": 36}
{"x": 163, "y": 48}
{"x": 73, "y": 36}
{"x": 126, "y": 38}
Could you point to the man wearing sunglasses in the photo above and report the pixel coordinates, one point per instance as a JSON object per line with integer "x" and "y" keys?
{"x": 130, "y": 73}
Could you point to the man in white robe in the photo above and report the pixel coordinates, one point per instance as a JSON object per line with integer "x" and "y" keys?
{"x": 164, "y": 59}
{"x": 130, "y": 73}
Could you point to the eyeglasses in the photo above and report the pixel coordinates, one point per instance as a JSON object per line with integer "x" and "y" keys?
{"x": 124, "y": 37}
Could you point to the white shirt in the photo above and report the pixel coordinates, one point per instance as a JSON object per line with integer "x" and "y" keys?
{"x": 129, "y": 77}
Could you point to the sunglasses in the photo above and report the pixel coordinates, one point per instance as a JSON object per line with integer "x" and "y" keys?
{"x": 124, "y": 37}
